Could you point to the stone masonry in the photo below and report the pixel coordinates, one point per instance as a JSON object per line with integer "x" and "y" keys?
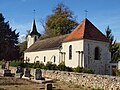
{"x": 105, "y": 82}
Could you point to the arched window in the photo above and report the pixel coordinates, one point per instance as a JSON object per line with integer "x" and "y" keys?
{"x": 35, "y": 38}
{"x": 70, "y": 52}
{"x": 97, "y": 53}
{"x": 54, "y": 59}
{"x": 44, "y": 58}
{"x": 36, "y": 59}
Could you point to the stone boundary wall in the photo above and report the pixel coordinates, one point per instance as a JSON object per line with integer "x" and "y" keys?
{"x": 105, "y": 82}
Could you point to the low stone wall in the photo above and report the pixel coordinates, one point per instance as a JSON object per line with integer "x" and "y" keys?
{"x": 87, "y": 80}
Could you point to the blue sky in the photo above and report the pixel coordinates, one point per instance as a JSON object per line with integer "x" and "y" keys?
{"x": 101, "y": 13}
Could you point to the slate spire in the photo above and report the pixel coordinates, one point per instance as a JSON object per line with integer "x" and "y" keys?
{"x": 34, "y": 29}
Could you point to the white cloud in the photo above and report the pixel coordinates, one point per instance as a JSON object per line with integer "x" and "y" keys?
{"x": 20, "y": 27}
{"x": 22, "y": 38}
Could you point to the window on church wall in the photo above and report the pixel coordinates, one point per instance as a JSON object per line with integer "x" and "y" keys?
{"x": 35, "y": 38}
{"x": 36, "y": 59}
{"x": 97, "y": 53}
{"x": 70, "y": 52}
{"x": 54, "y": 59}
{"x": 44, "y": 58}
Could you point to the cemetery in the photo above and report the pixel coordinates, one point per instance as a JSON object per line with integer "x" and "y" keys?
{"x": 23, "y": 74}
{"x": 59, "y": 45}
{"x": 14, "y": 78}
{"x": 54, "y": 79}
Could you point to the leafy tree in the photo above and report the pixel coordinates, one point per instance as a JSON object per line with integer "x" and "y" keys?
{"x": 62, "y": 66}
{"x": 23, "y": 47}
{"x": 60, "y": 22}
{"x": 118, "y": 45}
{"x": 114, "y": 47}
{"x": 8, "y": 41}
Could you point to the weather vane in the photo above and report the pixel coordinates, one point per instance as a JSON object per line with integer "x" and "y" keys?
{"x": 86, "y": 13}
{"x": 34, "y": 13}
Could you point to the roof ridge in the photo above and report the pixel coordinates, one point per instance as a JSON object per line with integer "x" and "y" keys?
{"x": 84, "y": 27}
{"x": 53, "y": 37}
{"x": 45, "y": 44}
{"x": 86, "y": 30}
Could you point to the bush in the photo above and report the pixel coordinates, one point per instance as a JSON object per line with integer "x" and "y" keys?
{"x": 42, "y": 66}
{"x": 54, "y": 67}
{"x": 87, "y": 71}
{"x": 69, "y": 69}
{"x": 61, "y": 67}
{"x": 83, "y": 70}
{"x": 97, "y": 89}
{"x": 116, "y": 72}
{"x": 1, "y": 62}
{"x": 36, "y": 65}
{"x": 50, "y": 66}
{"x": 78, "y": 69}
{"x": 30, "y": 65}
{"x": 16, "y": 63}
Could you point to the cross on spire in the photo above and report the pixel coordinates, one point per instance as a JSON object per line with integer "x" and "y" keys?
{"x": 34, "y": 13}
{"x": 86, "y": 13}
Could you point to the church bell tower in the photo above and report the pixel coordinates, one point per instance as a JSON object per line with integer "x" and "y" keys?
{"x": 33, "y": 36}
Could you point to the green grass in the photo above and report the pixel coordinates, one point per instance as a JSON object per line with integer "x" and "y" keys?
{"x": 2, "y": 89}
{"x": 97, "y": 89}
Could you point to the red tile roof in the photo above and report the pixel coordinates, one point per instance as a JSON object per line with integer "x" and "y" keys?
{"x": 86, "y": 30}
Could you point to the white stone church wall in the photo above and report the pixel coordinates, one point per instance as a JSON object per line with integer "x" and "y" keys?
{"x": 39, "y": 56}
{"x": 31, "y": 40}
{"x": 76, "y": 46}
{"x": 101, "y": 66}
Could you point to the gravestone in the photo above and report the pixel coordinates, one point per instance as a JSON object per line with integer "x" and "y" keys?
{"x": 6, "y": 71}
{"x": 48, "y": 86}
{"x": 38, "y": 74}
{"x": 7, "y": 65}
{"x": 19, "y": 72}
{"x": 3, "y": 66}
{"x": 27, "y": 72}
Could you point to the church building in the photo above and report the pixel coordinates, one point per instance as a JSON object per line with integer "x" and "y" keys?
{"x": 85, "y": 46}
